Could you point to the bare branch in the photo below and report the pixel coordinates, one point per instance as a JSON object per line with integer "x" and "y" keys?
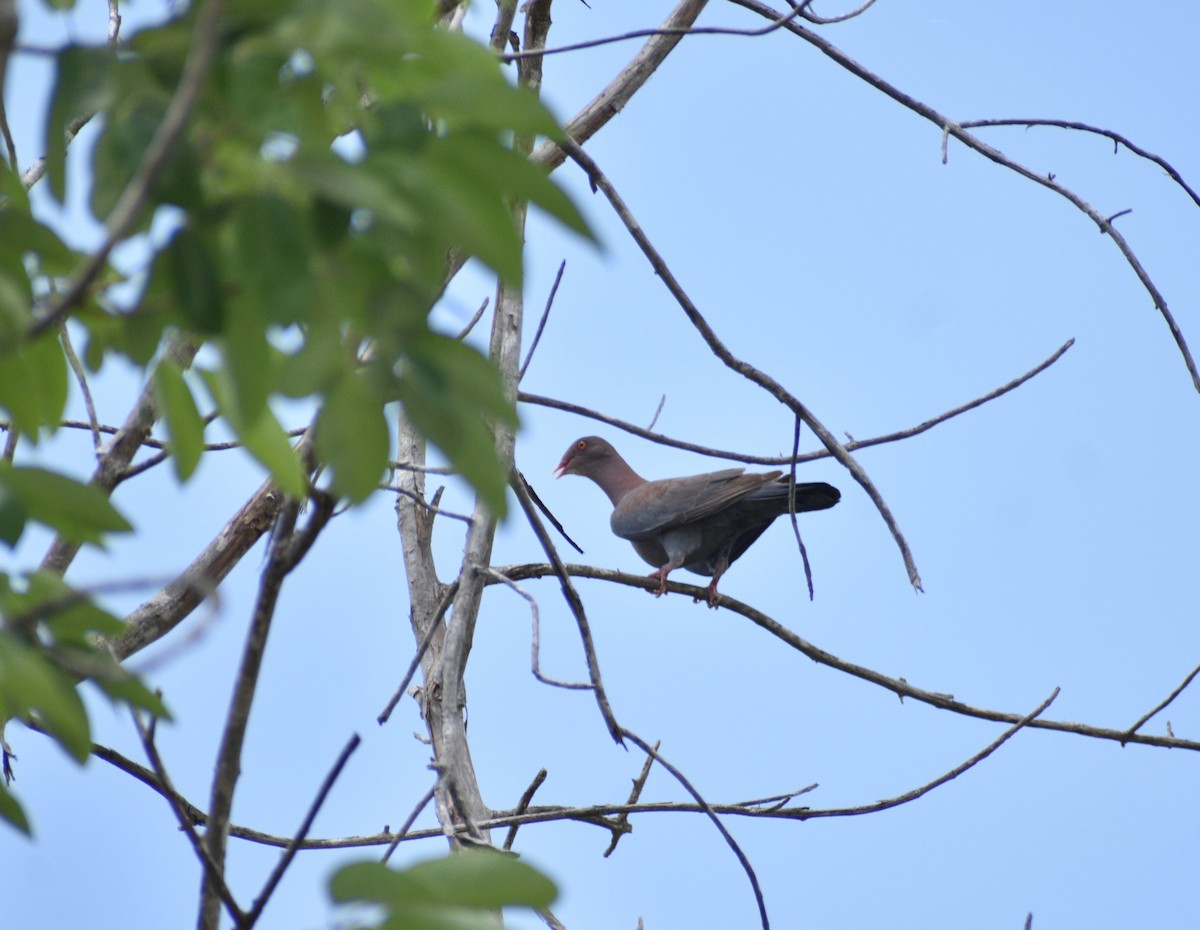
{"x": 434, "y": 624}
{"x": 792, "y": 510}
{"x": 408, "y": 822}
{"x": 536, "y": 639}
{"x": 305, "y": 825}
{"x": 852, "y": 446}
{"x": 950, "y": 128}
{"x": 466, "y": 330}
{"x": 228, "y": 764}
{"x": 949, "y": 776}
{"x": 523, "y": 805}
{"x": 212, "y": 870}
{"x": 574, "y": 602}
{"x": 1116, "y": 137}
{"x": 840, "y": 18}
{"x": 1162, "y": 706}
{"x": 897, "y": 686}
{"x": 712, "y": 815}
{"x": 748, "y": 371}
{"x": 64, "y": 338}
{"x": 537, "y": 335}
{"x": 621, "y": 826}
{"x": 618, "y": 92}
{"x": 175, "y": 602}
{"x": 661, "y": 31}
{"x": 114, "y": 461}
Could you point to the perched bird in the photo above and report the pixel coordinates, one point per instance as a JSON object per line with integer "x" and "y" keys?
{"x": 702, "y": 523}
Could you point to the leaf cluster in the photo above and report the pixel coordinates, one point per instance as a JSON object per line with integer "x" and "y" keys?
{"x": 458, "y": 892}
{"x": 337, "y": 161}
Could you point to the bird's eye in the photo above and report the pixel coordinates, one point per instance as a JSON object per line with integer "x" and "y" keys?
{"x": 581, "y": 445}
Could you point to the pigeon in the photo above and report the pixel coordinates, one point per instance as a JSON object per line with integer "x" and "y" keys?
{"x": 702, "y": 523}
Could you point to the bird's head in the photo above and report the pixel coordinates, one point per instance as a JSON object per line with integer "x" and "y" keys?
{"x": 585, "y": 457}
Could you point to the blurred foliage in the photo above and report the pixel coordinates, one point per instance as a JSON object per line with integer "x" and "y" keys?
{"x": 463, "y": 891}
{"x": 338, "y": 154}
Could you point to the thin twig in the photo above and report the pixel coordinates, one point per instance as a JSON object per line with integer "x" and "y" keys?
{"x": 523, "y": 805}
{"x": 426, "y": 641}
{"x": 81, "y": 379}
{"x": 942, "y": 779}
{"x": 574, "y": 602}
{"x": 895, "y": 685}
{"x": 792, "y": 509}
{"x": 1170, "y": 697}
{"x": 533, "y": 495}
{"x": 293, "y": 847}
{"x": 852, "y": 446}
{"x": 138, "y": 191}
{"x": 748, "y": 371}
{"x": 212, "y": 869}
{"x": 661, "y": 31}
{"x": 466, "y": 330}
{"x": 621, "y": 824}
{"x": 535, "y": 666}
{"x": 951, "y": 128}
{"x": 408, "y": 822}
{"x": 721, "y": 828}
{"x": 537, "y": 335}
{"x": 657, "y": 410}
{"x": 1116, "y": 137}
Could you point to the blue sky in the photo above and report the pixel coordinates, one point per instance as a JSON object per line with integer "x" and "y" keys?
{"x": 812, "y": 221}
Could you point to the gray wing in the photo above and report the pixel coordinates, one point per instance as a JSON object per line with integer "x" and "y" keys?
{"x": 658, "y": 506}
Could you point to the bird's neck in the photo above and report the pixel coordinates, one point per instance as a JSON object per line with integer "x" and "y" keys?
{"x": 617, "y": 479}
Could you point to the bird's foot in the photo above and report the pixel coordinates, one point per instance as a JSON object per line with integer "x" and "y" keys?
{"x": 661, "y": 575}
{"x": 713, "y": 596}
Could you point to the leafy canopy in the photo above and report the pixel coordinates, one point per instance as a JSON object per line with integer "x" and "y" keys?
{"x": 338, "y": 155}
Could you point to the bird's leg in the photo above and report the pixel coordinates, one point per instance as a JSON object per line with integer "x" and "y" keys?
{"x": 661, "y": 575}
{"x": 718, "y": 570}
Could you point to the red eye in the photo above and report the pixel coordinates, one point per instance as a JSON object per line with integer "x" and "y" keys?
{"x": 581, "y": 445}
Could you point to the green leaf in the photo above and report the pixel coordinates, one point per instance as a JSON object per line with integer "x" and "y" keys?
{"x": 11, "y": 811}
{"x": 29, "y": 681}
{"x": 463, "y": 207}
{"x": 269, "y": 257}
{"x": 457, "y": 892}
{"x": 120, "y": 685}
{"x": 34, "y": 384}
{"x": 82, "y": 88}
{"x": 352, "y": 436}
{"x": 265, "y": 439}
{"x": 185, "y": 426}
{"x": 480, "y": 156}
{"x": 194, "y": 277}
{"x": 484, "y": 879}
{"x": 74, "y": 617}
{"x": 247, "y": 358}
{"x": 451, "y": 392}
{"x": 374, "y": 881}
{"x": 129, "y": 127}
{"x": 12, "y": 516}
{"x": 79, "y": 511}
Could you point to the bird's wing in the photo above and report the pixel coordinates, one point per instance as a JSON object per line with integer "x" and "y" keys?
{"x": 658, "y": 506}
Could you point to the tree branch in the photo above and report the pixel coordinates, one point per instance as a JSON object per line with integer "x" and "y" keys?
{"x": 897, "y": 686}
{"x": 138, "y": 191}
{"x": 951, "y": 128}
{"x": 748, "y": 371}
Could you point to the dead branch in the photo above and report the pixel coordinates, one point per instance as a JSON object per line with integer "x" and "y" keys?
{"x": 950, "y": 128}
{"x": 748, "y": 371}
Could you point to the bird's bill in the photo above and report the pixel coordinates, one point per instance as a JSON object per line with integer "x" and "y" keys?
{"x": 561, "y": 468}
